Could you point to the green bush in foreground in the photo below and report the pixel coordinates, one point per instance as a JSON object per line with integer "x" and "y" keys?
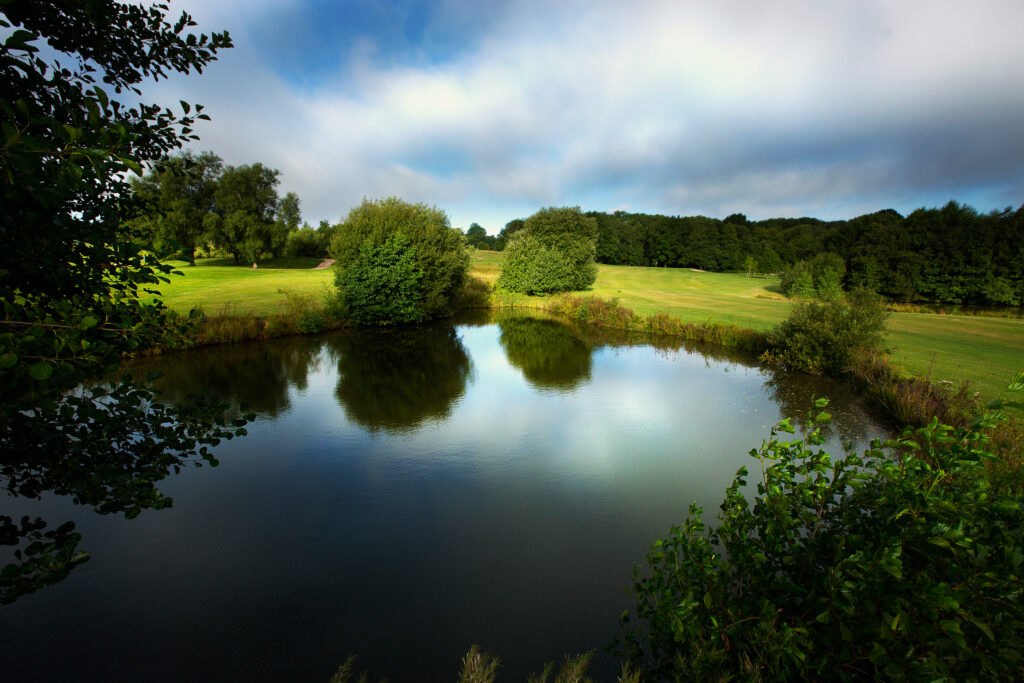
{"x": 902, "y": 563}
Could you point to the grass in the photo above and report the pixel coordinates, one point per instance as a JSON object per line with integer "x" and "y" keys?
{"x": 217, "y": 285}
{"x": 985, "y": 351}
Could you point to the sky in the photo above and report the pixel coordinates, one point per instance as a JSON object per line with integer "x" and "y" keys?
{"x": 493, "y": 110}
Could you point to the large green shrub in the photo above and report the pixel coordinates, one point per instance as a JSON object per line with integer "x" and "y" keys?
{"x": 899, "y": 564}
{"x": 436, "y": 251}
{"x": 823, "y": 336}
{"x": 554, "y": 252}
{"x": 382, "y": 284}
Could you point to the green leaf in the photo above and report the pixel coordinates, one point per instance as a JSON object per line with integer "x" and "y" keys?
{"x": 707, "y": 600}
{"x": 89, "y": 321}
{"x": 41, "y": 371}
{"x": 8, "y": 360}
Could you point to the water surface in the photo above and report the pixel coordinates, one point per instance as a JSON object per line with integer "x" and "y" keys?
{"x": 403, "y": 495}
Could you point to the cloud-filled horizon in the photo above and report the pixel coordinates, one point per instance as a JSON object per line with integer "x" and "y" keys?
{"x": 491, "y": 111}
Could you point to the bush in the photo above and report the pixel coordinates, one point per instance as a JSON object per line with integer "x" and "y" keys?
{"x": 383, "y": 284}
{"x": 822, "y": 337}
{"x": 554, "y": 252}
{"x": 899, "y": 564}
{"x": 436, "y": 251}
{"x": 305, "y": 241}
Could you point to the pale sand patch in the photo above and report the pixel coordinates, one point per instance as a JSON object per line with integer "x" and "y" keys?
{"x": 326, "y": 263}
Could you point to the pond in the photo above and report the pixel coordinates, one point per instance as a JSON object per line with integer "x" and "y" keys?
{"x": 402, "y": 495}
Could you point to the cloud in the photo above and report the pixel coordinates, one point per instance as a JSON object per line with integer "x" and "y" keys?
{"x": 790, "y": 107}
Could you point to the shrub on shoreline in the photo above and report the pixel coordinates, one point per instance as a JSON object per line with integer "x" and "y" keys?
{"x": 425, "y": 268}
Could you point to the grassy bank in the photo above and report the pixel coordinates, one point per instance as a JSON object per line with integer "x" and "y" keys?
{"x": 984, "y": 350}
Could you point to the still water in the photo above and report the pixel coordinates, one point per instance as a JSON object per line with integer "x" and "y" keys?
{"x": 403, "y": 495}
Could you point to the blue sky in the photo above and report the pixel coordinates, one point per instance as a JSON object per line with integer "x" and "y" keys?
{"x": 491, "y": 111}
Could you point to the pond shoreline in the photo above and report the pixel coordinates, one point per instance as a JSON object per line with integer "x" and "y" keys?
{"x": 898, "y": 397}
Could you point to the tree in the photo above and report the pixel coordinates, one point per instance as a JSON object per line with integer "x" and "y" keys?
{"x": 749, "y": 264}
{"x": 306, "y": 241}
{"x": 177, "y": 197}
{"x": 476, "y": 236}
{"x": 435, "y": 250}
{"x": 287, "y": 213}
{"x": 553, "y": 252}
{"x": 74, "y": 288}
{"x": 510, "y": 229}
{"x": 246, "y": 205}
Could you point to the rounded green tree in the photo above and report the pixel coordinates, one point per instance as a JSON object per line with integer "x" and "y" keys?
{"x": 398, "y": 262}
{"x": 554, "y": 252}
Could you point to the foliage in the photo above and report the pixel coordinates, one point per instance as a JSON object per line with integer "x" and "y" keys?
{"x": 429, "y": 252}
{"x": 383, "y": 284}
{"x": 902, "y": 563}
{"x": 554, "y": 252}
{"x": 477, "y": 237}
{"x": 823, "y": 336}
{"x": 288, "y": 213}
{"x": 821, "y": 277}
{"x": 70, "y": 275}
{"x": 176, "y": 200}
{"x": 306, "y": 241}
{"x": 245, "y": 222}
{"x": 749, "y": 264}
{"x": 950, "y": 254}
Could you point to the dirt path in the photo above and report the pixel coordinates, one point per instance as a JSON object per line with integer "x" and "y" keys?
{"x": 326, "y": 263}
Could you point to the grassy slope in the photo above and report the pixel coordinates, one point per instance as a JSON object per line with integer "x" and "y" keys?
{"x": 217, "y": 286}
{"x": 985, "y": 350}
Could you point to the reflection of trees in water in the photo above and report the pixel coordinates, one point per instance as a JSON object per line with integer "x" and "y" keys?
{"x": 548, "y": 352}
{"x": 795, "y": 393}
{"x": 255, "y": 374}
{"x": 395, "y": 379}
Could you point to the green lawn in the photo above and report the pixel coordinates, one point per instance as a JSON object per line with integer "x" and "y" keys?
{"x": 217, "y": 285}
{"x": 985, "y": 350}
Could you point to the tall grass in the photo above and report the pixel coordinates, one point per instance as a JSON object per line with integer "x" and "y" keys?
{"x": 300, "y": 314}
{"x": 481, "y": 667}
{"x": 592, "y": 310}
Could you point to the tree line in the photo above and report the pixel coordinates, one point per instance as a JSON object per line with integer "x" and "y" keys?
{"x": 952, "y": 254}
{"x": 193, "y": 202}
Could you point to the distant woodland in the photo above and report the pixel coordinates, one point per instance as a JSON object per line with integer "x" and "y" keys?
{"x": 952, "y": 254}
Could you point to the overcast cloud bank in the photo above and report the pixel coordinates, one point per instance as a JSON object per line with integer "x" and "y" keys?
{"x": 788, "y": 107}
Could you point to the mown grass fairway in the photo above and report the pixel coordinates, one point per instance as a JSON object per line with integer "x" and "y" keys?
{"x": 987, "y": 351}
{"x": 219, "y": 286}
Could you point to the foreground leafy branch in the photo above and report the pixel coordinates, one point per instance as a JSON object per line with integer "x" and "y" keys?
{"x": 902, "y": 563}
{"x": 72, "y": 278}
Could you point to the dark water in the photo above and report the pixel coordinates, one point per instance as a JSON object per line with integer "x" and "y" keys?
{"x": 404, "y": 495}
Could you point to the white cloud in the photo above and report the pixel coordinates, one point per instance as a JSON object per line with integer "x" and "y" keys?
{"x": 792, "y": 106}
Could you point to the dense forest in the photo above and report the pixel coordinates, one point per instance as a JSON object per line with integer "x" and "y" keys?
{"x": 952, "y": 254}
